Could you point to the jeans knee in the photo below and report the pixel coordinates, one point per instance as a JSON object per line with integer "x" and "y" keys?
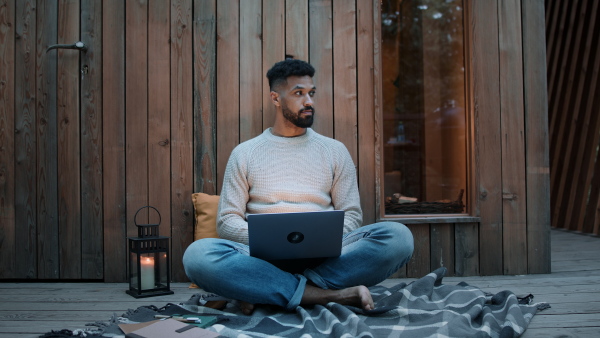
{"x": 401, "y": 240}
{"x": 196, "y": 258}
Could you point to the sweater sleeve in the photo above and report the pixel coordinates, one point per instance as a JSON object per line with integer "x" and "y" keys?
{"x": 231, "y": 219}
{"x": 344, "y": 192}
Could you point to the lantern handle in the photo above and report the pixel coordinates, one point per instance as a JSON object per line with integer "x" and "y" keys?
{"x": 140, "y": 209}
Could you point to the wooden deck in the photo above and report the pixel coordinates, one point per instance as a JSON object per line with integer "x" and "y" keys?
{"x": 573, "y": 290}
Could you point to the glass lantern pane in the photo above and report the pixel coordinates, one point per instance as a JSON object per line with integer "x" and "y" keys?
{"x": 424, "y": 130}
{"x": 133, "y": 273}
{"x": 163, "y": 273}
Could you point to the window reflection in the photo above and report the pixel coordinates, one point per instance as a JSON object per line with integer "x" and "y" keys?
{"x": 424, "y": 118}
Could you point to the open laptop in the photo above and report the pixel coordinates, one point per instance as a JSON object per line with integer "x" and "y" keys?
{"x": 296, "y": 234}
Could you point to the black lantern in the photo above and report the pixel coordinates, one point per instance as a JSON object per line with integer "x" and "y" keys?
{"x": 149, "y": 269}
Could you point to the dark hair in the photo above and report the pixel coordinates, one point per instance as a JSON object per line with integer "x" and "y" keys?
{"x": 280, "y": 71}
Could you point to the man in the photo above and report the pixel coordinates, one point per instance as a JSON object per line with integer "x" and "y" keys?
{"x": 288, "y": 168}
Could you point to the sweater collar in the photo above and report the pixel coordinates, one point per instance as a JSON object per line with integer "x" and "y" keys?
{"x": 290, "y": 140}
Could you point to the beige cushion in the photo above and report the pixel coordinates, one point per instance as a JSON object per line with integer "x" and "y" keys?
{"x": 205, "y": 209}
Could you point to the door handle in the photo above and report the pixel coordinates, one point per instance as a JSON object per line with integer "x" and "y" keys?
{"x": 77, "y": 45}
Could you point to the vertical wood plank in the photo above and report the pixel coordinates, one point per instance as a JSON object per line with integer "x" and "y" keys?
{"x": 204, "y": 35}
{"x": 228, "y": 83}
{"x": 251, "y": 82}
{"x": 136, "y": 111}
{"x": 296, "y": 29}
{"x": 514, "y": 213}
{"x": 69, "y": 150}
{"x": 321, "y": 57}
{"x": 273, "y": 50}
{"x": 47, "y": 205}
{"x": 467, "y": 247}
{"x": 486, "y": 91}
{"x": 91, "y": 142}
{"x": 366, "y": 112}
{"x": 537, "y": 151}
{"x": 159, "y": 114}
{"x": 418, "y": 266}
{"x": 113, "y": 141}
{"x": 25, "y": 141}
{"x": 7, "y": 139}
{"x": 442, "y": 247}
{"x": 182, "y": 223}
{"x": 344, "y": 70}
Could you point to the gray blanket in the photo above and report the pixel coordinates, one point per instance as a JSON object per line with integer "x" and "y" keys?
{"x": 423, "y": 308}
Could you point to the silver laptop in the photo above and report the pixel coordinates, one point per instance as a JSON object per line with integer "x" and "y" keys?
{"x": 296, "y": 234}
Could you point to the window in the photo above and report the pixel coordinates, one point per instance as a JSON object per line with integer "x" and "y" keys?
{"x": 424, "y": 115}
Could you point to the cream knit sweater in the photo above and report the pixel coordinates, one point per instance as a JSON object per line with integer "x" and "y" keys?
{"x": 271, "y": 174}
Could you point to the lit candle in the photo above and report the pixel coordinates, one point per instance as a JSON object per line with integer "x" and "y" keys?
{"x": 147, "y": 272}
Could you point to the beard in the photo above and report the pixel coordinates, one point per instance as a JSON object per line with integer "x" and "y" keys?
{"x": 297, "y": 119}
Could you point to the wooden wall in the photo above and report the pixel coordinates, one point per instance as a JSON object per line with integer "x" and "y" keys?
{"x": 149, "y": 114}
{"x": 573, "y": 57}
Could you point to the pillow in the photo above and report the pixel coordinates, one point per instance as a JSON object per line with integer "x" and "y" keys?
{"x": 205, "y": 209}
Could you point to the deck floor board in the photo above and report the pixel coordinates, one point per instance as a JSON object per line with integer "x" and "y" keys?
{"x": 572, "y": 289}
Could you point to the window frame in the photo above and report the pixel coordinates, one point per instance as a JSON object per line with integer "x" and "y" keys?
{"x": 471, "y": 213}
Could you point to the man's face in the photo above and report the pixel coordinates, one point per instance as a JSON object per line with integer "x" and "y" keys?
{"x": 296, "y": 101}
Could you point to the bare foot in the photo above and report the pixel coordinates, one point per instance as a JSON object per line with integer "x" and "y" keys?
{"x": 216, "y": 304}
{"x": 358, "y": 296}
{"x": 247, "y": 308}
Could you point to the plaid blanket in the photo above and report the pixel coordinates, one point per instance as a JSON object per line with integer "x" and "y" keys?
{"x": 423, "y": 308}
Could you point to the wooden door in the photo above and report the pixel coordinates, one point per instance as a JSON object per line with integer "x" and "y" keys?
{"x": 54, "y": 176}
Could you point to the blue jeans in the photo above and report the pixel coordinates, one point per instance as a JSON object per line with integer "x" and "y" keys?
{"x": 370, "y": 254}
